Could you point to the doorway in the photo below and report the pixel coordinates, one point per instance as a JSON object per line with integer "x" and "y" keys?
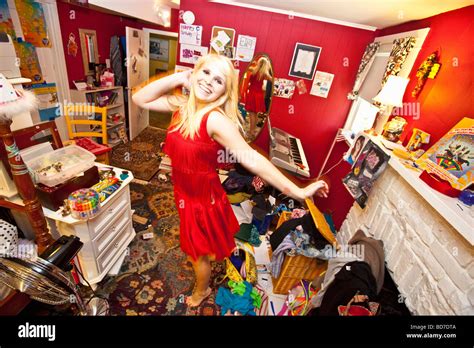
{"x": 162, "y": 52}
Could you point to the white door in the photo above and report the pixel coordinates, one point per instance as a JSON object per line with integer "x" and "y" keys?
{"x": 137, "y": 73}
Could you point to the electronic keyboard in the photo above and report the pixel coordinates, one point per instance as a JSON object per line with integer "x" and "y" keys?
{"x": 287, "y": 152}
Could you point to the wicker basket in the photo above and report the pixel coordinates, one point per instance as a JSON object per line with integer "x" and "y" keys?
{"x": 296, "y": 268}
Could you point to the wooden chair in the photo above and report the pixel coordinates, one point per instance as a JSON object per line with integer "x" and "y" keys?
{"x": 80, "y": 115}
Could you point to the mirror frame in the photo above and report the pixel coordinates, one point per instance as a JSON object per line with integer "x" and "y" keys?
{"x": 258, "y": 55}
{"x": 85, "y": 58}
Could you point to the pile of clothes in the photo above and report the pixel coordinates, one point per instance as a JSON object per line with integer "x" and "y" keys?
{"x": 248, "y": 195}
{"x": 298, "y": 235}
{"x": 356, "y": 272}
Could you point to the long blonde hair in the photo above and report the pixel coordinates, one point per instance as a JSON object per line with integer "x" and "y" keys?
{"x": 189, "y": 120}
{"x": 263, "y": 69}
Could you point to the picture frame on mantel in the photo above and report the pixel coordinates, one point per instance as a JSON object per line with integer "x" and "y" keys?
{"x": 305, "y": 60}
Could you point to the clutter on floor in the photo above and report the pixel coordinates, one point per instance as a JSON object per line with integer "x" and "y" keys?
{"x": 141, "y": 155}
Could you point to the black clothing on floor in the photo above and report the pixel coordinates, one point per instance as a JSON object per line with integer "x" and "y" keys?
{"x": 352, "y": 278}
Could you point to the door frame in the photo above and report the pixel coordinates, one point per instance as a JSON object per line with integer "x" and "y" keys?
{"x": 167, "y": 34}
{"x": 148, "y": 32}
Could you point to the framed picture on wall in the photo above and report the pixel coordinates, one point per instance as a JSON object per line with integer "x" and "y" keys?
{"x": 159, "y": 49}
{"x": 304, "y": 62}
{"x": 222, "y": 40}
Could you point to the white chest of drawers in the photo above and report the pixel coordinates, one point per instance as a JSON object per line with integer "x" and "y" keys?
{"x": 105, "y": 237}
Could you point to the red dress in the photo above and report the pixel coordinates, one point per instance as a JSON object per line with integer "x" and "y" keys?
{"x": 254, "y": 97}
{"x": 207, "y": 221}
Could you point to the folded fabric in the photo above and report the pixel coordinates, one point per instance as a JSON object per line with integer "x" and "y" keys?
{"x": 334, "y": 266}
{"x": 237, "y": 182}
{"x": 279, "y": 255}
{"x": 238, "y": 197}
{"x": 240, "y": 214}
{"x": 304, "y": 246}
{"x": 309, "y": 227}
{"x": 258, "y": 184}
{"x": 249, "y": 233}
{"x": 373, "y": 254}
{"x": 262, "y": 207}
{"x": 236, "y": 303}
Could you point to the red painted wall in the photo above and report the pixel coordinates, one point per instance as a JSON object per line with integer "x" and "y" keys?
{"x": 313, "y": 119}
{"x": 443, "y": 101}
{"x": 448, "y": 98}
{"x": 105, "y": 25}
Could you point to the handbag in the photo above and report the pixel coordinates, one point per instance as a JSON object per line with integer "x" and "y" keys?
{"x": 371, "y": 309}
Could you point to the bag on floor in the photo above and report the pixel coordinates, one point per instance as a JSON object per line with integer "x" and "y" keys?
{"x": 368, "y": 309}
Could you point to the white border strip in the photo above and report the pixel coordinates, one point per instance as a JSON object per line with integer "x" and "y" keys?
{"x": 296, "y": 14}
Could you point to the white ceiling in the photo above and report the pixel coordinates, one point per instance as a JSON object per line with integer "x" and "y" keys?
{"x": 377, "y": 14}
{"x": 145, "y": 10}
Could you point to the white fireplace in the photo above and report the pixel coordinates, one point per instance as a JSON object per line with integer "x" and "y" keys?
{"x": 428, "y": 241}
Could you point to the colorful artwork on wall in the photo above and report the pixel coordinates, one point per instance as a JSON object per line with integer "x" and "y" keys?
{"x": 33, "y": 23}
{"x": 283, "y": 88}
{"x": 6, "y": 23}
{"x": 29, "y": 63}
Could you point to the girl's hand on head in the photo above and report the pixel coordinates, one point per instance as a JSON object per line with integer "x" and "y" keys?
{"x": 185, "y": 78}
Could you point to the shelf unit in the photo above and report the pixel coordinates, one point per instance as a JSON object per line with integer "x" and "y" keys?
{"x": 113, "y": 128}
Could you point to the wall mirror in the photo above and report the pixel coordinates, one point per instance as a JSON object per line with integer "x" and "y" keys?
{"x": 90, "y": 52}
{"x": 256, "y": 90}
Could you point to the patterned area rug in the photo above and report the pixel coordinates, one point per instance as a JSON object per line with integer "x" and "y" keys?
{"x": 141, "y": 155}
{"x": 156, "y": 277}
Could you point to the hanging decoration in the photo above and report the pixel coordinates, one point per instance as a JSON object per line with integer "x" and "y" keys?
{"x": 365, "y": 64}
{"x": 400, "y": 50}
{"x": 427, "y": 70}
{"x": 72, "y": 45}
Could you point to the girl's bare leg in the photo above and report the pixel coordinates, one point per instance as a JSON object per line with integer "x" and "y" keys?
{"x": 202, "y": 269}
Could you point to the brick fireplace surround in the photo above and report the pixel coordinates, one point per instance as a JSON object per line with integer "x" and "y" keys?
{"x": 431, "y": 262}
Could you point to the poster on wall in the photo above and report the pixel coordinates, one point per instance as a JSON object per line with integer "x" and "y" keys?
{"x": 190, "y": 34}
{"x": 159, "y": 49}
{"x": 452, "y": 157}
{"x": 33, "y": 23}
{"x": 47, "y": 96}
{"x": 221, "y": 39}
{"x": 370, "y": 164}
{"x": 6, "y": 23}
{"x": 304, "y": 62}
{"x": 190, "y": 53}
{"x": 321, "y": 84}
{"x": 283, "y": 88}
{"x": 245, "y": 48}
{"x": 29, "y": 63}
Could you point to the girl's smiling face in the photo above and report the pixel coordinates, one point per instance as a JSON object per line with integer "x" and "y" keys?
{"x": 209, "y": 84}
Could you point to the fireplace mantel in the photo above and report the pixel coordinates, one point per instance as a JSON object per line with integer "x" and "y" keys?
{"x": 428, "y": 240}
